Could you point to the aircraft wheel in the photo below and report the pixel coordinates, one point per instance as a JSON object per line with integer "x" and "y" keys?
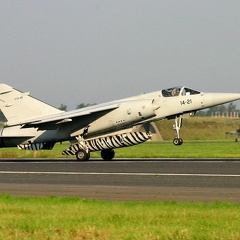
{"x": 107, "y": 154}
{"x": 177, "y": 141}
{"x": 82, "y": 155}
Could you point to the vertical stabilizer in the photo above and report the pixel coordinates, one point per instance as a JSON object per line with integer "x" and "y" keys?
{"x": 18, "y": 106}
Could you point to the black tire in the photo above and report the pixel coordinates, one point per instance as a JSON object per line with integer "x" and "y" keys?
{"x": 180, "y": 141}
{"x": 177, "y": 141}
{"x": 82, "y": 155}
{"x": 107, "y": 154}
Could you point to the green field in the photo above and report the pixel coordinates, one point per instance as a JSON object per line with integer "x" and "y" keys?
{"x": 73, "y": 218}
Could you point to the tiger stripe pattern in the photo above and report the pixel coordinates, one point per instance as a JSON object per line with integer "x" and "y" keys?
{"x": 110, "y": 142}
{"x": 36, "y": 146}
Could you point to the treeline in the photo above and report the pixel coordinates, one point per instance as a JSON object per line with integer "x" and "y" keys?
{"x": 223, "y": 110}
{"x": 63, "y": 107}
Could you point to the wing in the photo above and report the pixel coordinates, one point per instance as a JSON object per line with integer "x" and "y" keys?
{"x": 65, "y": 117}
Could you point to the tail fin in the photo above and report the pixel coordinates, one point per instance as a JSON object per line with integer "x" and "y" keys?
{"x": 17, "y": 106}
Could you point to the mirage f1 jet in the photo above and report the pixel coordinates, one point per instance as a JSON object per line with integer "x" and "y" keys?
{"x": 34, "y": 125}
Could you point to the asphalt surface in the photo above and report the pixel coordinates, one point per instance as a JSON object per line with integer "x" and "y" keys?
{"x": 126, "y": 180}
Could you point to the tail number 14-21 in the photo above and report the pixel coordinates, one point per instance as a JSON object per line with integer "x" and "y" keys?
{"x": 184, "y": 102}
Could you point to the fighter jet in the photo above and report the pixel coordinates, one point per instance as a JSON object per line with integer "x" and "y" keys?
{"x": 33, "y": 125}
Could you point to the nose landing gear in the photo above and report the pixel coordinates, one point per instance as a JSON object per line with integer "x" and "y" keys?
{"x": 177, "y": 126}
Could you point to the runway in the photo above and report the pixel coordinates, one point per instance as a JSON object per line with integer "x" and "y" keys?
{"x": 195, "y": 180}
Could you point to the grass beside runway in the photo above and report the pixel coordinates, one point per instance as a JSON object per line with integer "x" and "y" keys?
{"x": 189, "y": 149}
{"x": 73, "y": 218}
{"x": 151, "y": 149}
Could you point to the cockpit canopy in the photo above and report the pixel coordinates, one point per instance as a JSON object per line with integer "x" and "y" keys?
{"x": 178, "y": 91}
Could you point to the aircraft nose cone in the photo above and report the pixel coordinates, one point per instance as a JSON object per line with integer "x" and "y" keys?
{"x": 213, "y": 99}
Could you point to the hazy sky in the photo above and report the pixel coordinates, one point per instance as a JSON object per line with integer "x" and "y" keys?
{"x": 89, "y": 51}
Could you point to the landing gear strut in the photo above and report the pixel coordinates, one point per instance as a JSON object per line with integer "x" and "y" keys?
{"x": 82, "y": 153}
{"x": 178, "y": 123}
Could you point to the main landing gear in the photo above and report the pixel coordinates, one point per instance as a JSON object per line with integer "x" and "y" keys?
{"x": 82, "y": 155}
{"x": 178, "y": 123}
{"x": 106, "y": 154}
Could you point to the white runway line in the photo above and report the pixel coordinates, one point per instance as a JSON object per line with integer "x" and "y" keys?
{"x": 123, "y": 174}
